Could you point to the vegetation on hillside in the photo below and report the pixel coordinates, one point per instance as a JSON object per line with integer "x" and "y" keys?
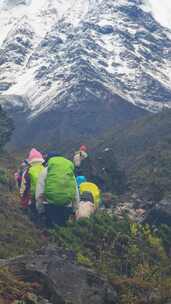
{"x": 143, "y": 151}
{"x": 6, "y": 127}
{"x": 17, "y": 234}
{"x": 133, "y": 257}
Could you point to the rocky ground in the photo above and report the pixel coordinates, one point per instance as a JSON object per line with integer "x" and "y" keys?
{"x": 77, "y": 264}
{"x": 141, "y": 210}
{"x": 100, "y": 260}
{"x": 53, "y": 274}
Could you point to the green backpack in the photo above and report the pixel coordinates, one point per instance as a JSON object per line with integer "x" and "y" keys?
{"x": 60, "y": 186}
{"x": 34, "y": 173}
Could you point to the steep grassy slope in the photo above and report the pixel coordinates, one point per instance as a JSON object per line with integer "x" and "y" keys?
{"x": 143, "y": 150}
{"x": 17, "y": 234}
{"x": 6, "y": 127}
{"x": 133, "y": 257}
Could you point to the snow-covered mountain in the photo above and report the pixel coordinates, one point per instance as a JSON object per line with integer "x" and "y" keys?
{"x": 60, "y": 58}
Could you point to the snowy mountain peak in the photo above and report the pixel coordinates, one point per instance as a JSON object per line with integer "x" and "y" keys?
{"x": 63, "y": 53}
{"x": 41, "y": 15}
{"x": 8, "y": 4}
{"x": 161, "y": 11}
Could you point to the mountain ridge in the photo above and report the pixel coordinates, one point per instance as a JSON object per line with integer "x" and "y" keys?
{"x": 86, "y": 50}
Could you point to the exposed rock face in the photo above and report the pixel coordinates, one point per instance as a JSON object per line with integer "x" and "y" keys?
{"x": 160, "y": 213}
{"x": 62, "y": 280}
{"x": 142, "y": 211}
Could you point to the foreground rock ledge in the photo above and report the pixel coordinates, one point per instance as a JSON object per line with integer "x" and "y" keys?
{"x": 61, "y": 279}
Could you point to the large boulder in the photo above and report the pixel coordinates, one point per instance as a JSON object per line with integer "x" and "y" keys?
{"x": 62, "y": 280}
{"x": 160, "y": 213}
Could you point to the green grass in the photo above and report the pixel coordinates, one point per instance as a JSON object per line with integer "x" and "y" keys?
{"x": 131, "y": 256}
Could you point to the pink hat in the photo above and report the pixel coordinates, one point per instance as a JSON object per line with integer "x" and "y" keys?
{"x": 83, "y": 148}
{"x": 35, "y": 156}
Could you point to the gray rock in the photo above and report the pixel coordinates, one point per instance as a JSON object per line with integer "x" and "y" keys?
{"x": 160, "y": 213}
{"x": 63, "y": 280}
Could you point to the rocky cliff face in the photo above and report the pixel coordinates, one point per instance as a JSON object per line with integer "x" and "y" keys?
{"x": 82, "y": 63}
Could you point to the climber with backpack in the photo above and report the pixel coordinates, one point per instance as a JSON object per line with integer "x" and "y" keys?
{"x": 80, "y": 179}
{"x": 20, "y": 172}
{"x": 82, "y": 162}
{"x": 90, "y": 198}
{"x": 19, "y": 178}
{"x": 93, "y": 189}
{"x": 29, "y": 180}
{"x": 57, "y": 192}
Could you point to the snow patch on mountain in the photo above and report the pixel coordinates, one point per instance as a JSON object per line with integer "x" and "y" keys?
{"x": 42, "y": 14}
{"x": 161, "y": 10}
{"x": 49, "y": 49}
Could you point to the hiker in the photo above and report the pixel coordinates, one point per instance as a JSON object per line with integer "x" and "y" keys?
{"x": 49, "y": 155}
{"x": 108, "y": 200}
{"x": 57, "y": 193}
{"x": 20, "y": 176}
{"x": 80, "y": 179}
{"x": 82, "y": 162}
{"x": 30, "y": 178}
{"x": 20, "y": 172}
{"x": 90, "y": 198}
{"x": 93, "y": 189}
{"x": 80, "y": 155}
{"x": 86, "y": 206}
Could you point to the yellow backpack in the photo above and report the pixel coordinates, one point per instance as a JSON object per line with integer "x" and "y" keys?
{"x": 94, "y": 190}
